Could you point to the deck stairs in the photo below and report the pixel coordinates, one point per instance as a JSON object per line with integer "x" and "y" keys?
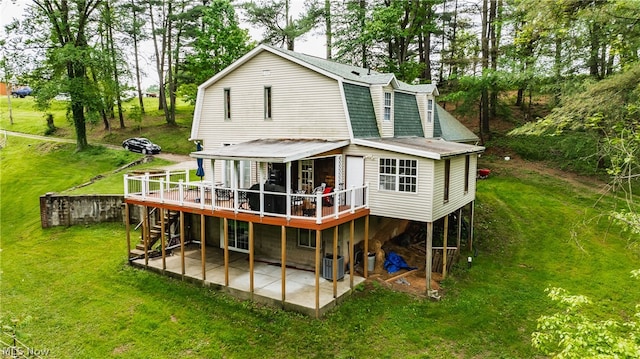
{"x": 155, "y": 233}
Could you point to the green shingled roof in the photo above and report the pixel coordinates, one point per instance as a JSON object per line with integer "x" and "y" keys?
{"x": 360, "y": 106}
{"x": 449, "y": 128}
{"x": 406, "y": 116}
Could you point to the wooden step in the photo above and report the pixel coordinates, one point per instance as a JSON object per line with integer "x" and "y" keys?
{"x": 136, "y": 253}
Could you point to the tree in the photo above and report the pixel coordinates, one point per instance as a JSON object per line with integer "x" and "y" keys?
{"x": 280, "y": 28}
{"x": 217, "y": 43}
{"x": 133, "y": 27}
{"x": 571, "y": 334}
{"x": 68, "y": 25}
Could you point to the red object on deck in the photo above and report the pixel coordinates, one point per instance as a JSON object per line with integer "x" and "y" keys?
{"x": 483, "y": 172}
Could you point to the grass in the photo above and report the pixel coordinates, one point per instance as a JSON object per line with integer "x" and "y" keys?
{"x": 73, "y": 293}
{"x": 172, "y": 139}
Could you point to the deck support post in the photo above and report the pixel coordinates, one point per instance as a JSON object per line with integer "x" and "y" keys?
{"x": 444, "y": 246}
{"x": 182, "y": 243}
{"x": 366, "y": 247}
{"x": 202, "y": 248}
{"x": 251, "y": 258}
{"x": 351, "y": 255}
{"x": 429, "y": 259}
{"x": 472, "y": 205}
{"x": 318, "y": 245}
{"x": 225, "y": 229}
{"x": 459, "y": 229}
{"x": 145, "y": 235}
{"x": 127, "y": 226}
{"x": 283, "y": 245}
{"x": 163, "y": 239}
{"x": 335, "y": 262}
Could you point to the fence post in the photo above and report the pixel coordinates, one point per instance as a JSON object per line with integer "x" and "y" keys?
{"x": 201, "y": 196}
{"x": 168, "y": 176}
{"x": 366, "y": 189}
{"x": 181, "y": 191}
{"x": 353, "y": 199}
{"x": 318, "y": 208}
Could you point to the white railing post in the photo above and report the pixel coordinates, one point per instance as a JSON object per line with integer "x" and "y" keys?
{"x": 201, "y": 196}
{"x": 168, "y": 178}
{"x": 336, "y": 204}
{"x": 181, "y": 191}
{"x": 318, "y": 208}
{"x": 161, "y": 182}
{"x": 186, "y": 175}
{"x": 126, "y": 185}
{"x": 353, "y": 199}
{"x": 366, "y": 189}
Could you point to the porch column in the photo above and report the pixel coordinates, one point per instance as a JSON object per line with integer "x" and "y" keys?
{"x": 335, "y": 262}
{"x": 288, "y": 189}
{"x": 163, "y": 238}
{"x": 472, "y": 210}
{"x": 351, "y": 255}
{"x": 318, "y": 245}
{"x": 261, "y": 170}
{"x": 283, "y": 244}
{"x": 182, "y": 242}
{"x": 225, "y": 236}
{"x": 444, "y": 247}
{"x": 127, "y": 226}
{"x": 251, "y": 257}
{"x": 427, "y": 267}
{"x": 213, "y": 182}
{"x": 202, "y": 249}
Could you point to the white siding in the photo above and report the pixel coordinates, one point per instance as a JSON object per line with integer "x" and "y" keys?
{"x": 386, "y": 128}
{"x": 412, "y": 206}
{"x": 422, "y": 107}
{"x": 377, "y": 98}
{"x": 305, "y": 104}
{"x": 457, "y": 196}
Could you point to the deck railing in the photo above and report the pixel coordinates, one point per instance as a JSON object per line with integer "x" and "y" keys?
{"x": 175, "y": 188}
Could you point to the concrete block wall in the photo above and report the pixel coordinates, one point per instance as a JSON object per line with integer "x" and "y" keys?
{"x": 65, "y": 210}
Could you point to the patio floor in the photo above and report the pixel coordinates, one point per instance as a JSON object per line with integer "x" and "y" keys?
{"x": 300, "y": 292}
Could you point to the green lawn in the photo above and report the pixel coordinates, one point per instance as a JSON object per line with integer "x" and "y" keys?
{"x": 73, "y": 293}
{"x": 171, "y": 138}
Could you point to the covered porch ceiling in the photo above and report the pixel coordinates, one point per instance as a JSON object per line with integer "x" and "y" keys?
{"x": 271, "y": 150}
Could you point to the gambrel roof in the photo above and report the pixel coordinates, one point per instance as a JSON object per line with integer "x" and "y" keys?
{"x": 355, "y": 82}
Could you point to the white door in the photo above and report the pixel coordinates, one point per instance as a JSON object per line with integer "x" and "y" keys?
{"x": 355, "y": 177}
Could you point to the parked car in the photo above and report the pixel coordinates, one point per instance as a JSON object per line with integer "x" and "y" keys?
{"x": 141, "y": 145}
{"x": 63, "y": 96}
{"x": 22, "y": 92}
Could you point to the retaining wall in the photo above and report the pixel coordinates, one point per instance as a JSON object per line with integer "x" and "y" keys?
{"x": 65, "y": 210}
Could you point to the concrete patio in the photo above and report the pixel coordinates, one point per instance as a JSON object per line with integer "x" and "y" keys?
{"x": 300, "y": 293}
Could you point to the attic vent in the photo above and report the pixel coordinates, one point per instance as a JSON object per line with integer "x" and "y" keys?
{"x": 355, "y": 73}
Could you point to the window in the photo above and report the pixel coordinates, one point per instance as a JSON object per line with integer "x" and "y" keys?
{"x": 307, "y": 238}
{"x": 267, "y": 103}
{"x": 387, "y": 106}
{"x": 429, "y": 110}
{"x": 238, "y": 235}
{"x": 447, "y": 177}
{"x": 398, "y": 175}
{"x": 227, "y": 104}
{"x": 467, "y": 163}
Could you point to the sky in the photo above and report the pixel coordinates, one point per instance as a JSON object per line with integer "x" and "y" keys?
{"x": 312, "y": 43}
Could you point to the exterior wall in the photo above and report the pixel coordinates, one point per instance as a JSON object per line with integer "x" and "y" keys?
{"x": 457, "y": 196}
{"x": 422, "y": 107}
{"x": 412, "y": 206}
{"x": 60, "y": 210}
{"x": 386, "y": 127}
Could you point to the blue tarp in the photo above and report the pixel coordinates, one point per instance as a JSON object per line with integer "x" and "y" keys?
{"x": 394, "y": 263}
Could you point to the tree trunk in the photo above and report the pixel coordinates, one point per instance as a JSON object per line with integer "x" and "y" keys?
{"x": 114, "y": 63}
{"x": 484, "y": 98}
{"x": 137, "y": 60}
{"x": 328, "y": 32}
{"x": 493, "y": 53}
{"x": 75, "y": 71}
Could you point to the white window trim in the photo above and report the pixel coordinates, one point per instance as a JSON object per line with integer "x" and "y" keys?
{"x": 430, "y": 108}
{"x": 385, "y": 106}
{"x": 312, "y": 237}
{"x": 227, "y": 104}
{"x": 268, "y": 103}
{"x": 397, "y": 175}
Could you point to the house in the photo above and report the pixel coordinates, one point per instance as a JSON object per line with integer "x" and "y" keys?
{"x": 302, "y": 157}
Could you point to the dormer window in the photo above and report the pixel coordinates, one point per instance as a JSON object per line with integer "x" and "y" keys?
{"x": 429, "y": 110}
{"x": 387, "y": 106}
